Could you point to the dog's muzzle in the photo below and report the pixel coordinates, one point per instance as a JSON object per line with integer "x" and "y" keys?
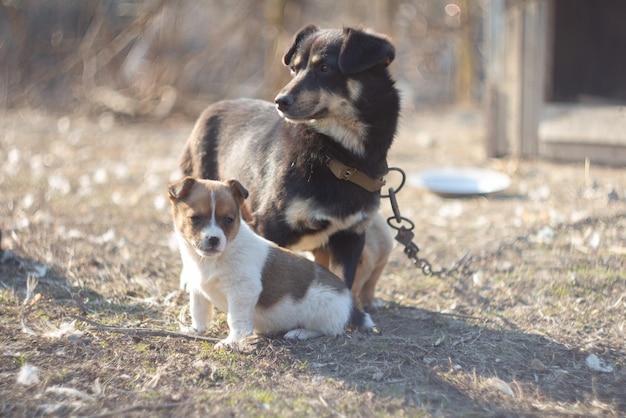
{"x": 209, "y": 247}
{"x": 284, "y": 102}
{"x": 287, "y": 108}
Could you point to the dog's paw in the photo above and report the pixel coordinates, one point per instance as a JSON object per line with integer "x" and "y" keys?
{"x": 226, "y": 344}
{"x": 189, "y": 330}
{"x": 302, "y": 334}
{"x": 368, "y": 325}
{"x": 247, "y": 345}
{"x": 373, "y": 305}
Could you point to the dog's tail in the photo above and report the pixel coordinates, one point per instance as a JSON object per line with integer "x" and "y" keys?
{"x": 361, "y": 320}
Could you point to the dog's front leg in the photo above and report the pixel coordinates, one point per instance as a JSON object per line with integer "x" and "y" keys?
{"x": 345, "y": 249}
{"x": 185, "y": 275}
{"x": 200, "y": 309}
{"x": 241, "y": 305}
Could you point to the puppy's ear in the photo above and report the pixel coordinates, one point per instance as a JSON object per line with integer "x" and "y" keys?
{"x": 295, "y": 43}
{"x": 362, "y": 51}
{"x": 239, "y": 192}
{"x": 180, "y": 188}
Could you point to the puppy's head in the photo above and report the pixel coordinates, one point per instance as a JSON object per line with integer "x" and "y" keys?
{"x": 207, "y": 213}
{"x": 330, "y": 69}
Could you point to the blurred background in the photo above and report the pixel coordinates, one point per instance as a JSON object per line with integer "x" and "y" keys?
{"x": 150, "y": 59}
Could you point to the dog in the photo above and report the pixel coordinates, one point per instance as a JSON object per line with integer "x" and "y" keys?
{"x": 261, "y": 286}
{"x": 315, "y": 159}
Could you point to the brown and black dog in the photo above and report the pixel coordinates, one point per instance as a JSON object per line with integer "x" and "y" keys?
{"x": 314, "y": 160}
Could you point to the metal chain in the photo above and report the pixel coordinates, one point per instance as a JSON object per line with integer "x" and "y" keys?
{"x": 405, "y": 235}
{"x": 460, "y": 268}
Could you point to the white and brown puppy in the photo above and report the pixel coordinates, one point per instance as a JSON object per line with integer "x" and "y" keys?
{"x": 262, "y": 287}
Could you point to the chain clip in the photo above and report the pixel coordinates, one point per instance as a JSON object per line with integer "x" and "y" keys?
{"x": 405, "y": 235}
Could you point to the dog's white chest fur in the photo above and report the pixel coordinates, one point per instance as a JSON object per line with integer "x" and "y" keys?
{"x": 304, "y": 213}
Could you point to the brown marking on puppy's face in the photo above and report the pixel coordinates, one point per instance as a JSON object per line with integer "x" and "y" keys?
{"x": 207, "y": 213}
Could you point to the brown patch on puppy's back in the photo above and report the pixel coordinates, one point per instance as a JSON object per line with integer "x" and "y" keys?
{"x": 288, "y": 274}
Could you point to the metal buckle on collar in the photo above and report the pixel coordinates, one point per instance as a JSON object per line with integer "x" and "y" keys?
{"x": 348, "y": 172}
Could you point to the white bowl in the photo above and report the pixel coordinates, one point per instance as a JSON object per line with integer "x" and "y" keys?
{"x": 457, "y": 182}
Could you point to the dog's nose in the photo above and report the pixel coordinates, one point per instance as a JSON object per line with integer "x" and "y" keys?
{"x": 284, "y": 101}
{"x": 214, "y": 242}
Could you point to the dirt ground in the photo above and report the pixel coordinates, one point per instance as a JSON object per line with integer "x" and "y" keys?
{"x": 533, "y": 326}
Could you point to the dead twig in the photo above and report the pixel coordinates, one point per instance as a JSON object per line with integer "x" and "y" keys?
{"x": 462, "y": 316}
{"x": 143, "y": 331}
{"x": 31, "y": 299}
{"x": 140, "y": 408}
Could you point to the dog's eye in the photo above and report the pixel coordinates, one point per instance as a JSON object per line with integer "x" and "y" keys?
{"x": 195, "y": 219}
{"x": 228, "y": 220}
{"x": 324, "y": 68}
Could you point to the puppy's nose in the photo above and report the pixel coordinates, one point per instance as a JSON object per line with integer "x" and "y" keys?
{"x": 284, "y": 101}
{"x": 214, "y": 242}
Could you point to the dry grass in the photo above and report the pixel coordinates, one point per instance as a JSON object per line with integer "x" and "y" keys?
{"x": 83, "y": 210}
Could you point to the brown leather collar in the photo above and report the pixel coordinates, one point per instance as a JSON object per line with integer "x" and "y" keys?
{"x": 344, "y": 172}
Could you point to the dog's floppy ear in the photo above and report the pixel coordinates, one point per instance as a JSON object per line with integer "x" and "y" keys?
{"x": 362, "y": 51}
{"x": 300, "y": 36}
{"x": 180, "y": 188}
{"x": 239, "y": 192}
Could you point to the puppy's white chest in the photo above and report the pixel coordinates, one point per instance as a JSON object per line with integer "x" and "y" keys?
{"x": 213, "y": 283}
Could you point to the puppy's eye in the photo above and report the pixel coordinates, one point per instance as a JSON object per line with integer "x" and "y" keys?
{"x": 324, "y": 68}
{"x": 229, "y": 220}
{"x": 195, "y": 219}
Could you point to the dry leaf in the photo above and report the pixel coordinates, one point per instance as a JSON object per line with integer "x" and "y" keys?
{"x": 538, "y": 366}
{"x": 501, "y": 386}
{"x": 596, "y": 364}
{"x": 28, "y": 375}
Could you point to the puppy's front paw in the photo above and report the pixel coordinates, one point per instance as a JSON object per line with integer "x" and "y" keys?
{"x": 192, "y": 329}
{"x": 246, "y": 345}
{"x": 227, "y": 344}
{"x": 188, "y": 330}
{"x": 249, "y": 344}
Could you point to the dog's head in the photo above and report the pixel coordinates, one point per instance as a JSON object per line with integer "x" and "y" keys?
{"x": 207, "y": 213}
{"x": 330, "y": 70}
